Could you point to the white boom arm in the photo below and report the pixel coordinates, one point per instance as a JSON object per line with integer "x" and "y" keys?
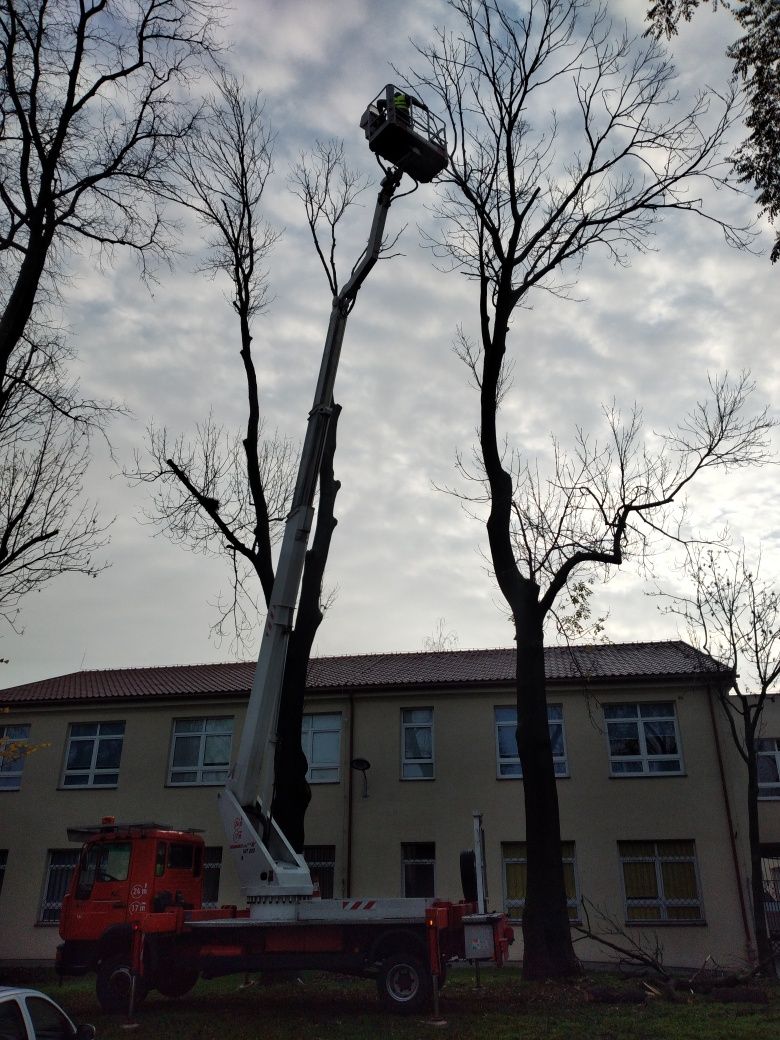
{"x": 267, "y": 865}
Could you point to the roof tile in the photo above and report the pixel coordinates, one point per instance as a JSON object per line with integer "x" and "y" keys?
{"x": 448, "y": 668}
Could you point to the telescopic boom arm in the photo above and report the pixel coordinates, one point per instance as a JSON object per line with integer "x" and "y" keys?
{"x": 246, "y": 802}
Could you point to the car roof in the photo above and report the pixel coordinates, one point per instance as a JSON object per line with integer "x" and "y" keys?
{"x": 22, "y": 991}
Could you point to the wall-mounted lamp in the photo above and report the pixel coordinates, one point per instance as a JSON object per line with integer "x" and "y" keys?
{"x": 362, "y": 765}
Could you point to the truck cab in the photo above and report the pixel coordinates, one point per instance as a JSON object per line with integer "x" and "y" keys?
{"x": 125, "y": 871}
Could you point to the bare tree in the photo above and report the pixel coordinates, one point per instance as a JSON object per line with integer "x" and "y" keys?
{"x": 516, "y": 216}
{"x": 602, "y": 505}
{"x": 90, "y": 118}
{"x": 756, "y": 56}
{"x": 733, "y": 614}
{"x": 226, "y": 493}
{"x": 46, "y": 528}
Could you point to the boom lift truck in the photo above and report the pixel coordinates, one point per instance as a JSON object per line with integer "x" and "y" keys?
{"x": 133, "y": 911}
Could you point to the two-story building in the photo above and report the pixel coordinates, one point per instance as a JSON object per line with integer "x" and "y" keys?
{"x": 401, "y": 749}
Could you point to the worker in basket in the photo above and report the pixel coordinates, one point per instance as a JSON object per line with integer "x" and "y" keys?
{"x": 402, "y": 103}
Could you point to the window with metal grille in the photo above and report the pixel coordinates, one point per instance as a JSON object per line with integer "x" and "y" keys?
{"x": 770, "y": 874}
{"x": 93, "y": 754}
{"x": 212, "y": 868}
{"x": 507, "y": 757}
{"x": 321, "y": 860}
{"x": 13, "y": 749}
{"x": 643, "y": 738}
{"x": 660, "y": 881}
{"x": 768, "y": 765}
{"x": 321, "y": 743}
{"x": 514, "y": 855}
{"x": 417, "y": 743}
{"x": 418, "y": 869}
{"x": 60, "y": 865}
{"x": 200, "y": 751}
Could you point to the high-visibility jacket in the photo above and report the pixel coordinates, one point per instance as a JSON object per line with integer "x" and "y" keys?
{"x": 401, "y": 102}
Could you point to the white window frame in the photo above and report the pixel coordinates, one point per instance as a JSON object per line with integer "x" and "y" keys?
{"x": 509, "y": 767}
{"x": 769, "y": 747}
{"x": 11, "y": 771}
{"x": 201, "y": 767}
{"x": 662, "y": 903}
{"x": 408, "y": 765}
{"x": 644, "y": 759}
{"x": 325, "y": 771}
{"x": 95, "y": 776}
{"x": 55, "y": 883}
{"x": 410, "y": 858}
{"x": 519, "y": 904}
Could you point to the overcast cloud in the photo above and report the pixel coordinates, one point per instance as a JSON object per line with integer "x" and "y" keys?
{"x": 403, "y": 555}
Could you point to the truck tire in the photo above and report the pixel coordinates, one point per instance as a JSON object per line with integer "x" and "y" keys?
{"x": 404, "y": 984}
{"x": 113, "y": 982}
{"x": 174, "y": 982}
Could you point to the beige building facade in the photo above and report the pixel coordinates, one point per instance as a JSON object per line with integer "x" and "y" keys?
{"x": 402, "y": 749}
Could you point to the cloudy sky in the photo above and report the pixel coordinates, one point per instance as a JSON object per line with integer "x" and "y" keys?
{"x": 404, "y": 555}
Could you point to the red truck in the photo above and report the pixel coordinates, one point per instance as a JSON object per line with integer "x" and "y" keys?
{"x": 133, "y": 914}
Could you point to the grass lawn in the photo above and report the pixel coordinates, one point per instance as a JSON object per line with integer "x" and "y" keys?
{"x": 321, "y": 1007}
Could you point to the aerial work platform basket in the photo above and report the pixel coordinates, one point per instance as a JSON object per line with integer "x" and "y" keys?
{"x": 401, "y": 129}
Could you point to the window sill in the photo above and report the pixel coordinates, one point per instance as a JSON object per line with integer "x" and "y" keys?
{"x": 665, "y": 924}
{"x": 558, "y": 776}
{"x": 416, "y": 779}
{"x": 647, "y": 776}
{"x": 90, "y": 787}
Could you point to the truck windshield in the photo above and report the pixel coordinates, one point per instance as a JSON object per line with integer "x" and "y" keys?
{"x": 103, "y": 863}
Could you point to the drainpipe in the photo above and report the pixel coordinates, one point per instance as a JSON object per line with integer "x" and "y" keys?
{"x": 350, "y": 755}
{"x": 730, "y": 821}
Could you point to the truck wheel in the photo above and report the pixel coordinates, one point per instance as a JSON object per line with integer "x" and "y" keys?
{"x": 114, "y": 979}
{"x": 174, "y": 982}
{"x": 404, "y": 984}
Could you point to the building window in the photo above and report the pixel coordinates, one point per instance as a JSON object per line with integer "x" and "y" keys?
{"x": 13, "y": 750}
{"x": 321, "y": 860}
{"x": 212, "y": 867}
{"x": 514, "y": 855}
{"x": 770, "y": 871}
{"x": 94, "y": 752}
{"x": 59, "y": 868}
{"x": 417, "y": 743}
{"x": 507, "y": 758}
{"x": 643, "y": 738}
{"x": 418, "y": 869}
{"x": 200, "y": 752}
{"x": 660, "y": 881}
{"x": 321, "y": 743}
{"x": 3, "y": 865}
{"x": 768, "y": 763}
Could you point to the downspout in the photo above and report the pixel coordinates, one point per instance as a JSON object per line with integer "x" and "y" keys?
{"x": 730, "y": 821}
{"x": 350, "y": 755}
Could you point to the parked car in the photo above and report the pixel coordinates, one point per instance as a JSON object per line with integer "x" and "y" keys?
{"x": 26, "y": 1014}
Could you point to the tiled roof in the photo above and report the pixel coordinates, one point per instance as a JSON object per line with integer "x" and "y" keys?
{"x": 442, "y": 669}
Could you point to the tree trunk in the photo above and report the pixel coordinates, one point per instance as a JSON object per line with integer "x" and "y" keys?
{"x": 21, "y": 302}
{"x": 548, "y": 950}
{"x": 292, "y": 793}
